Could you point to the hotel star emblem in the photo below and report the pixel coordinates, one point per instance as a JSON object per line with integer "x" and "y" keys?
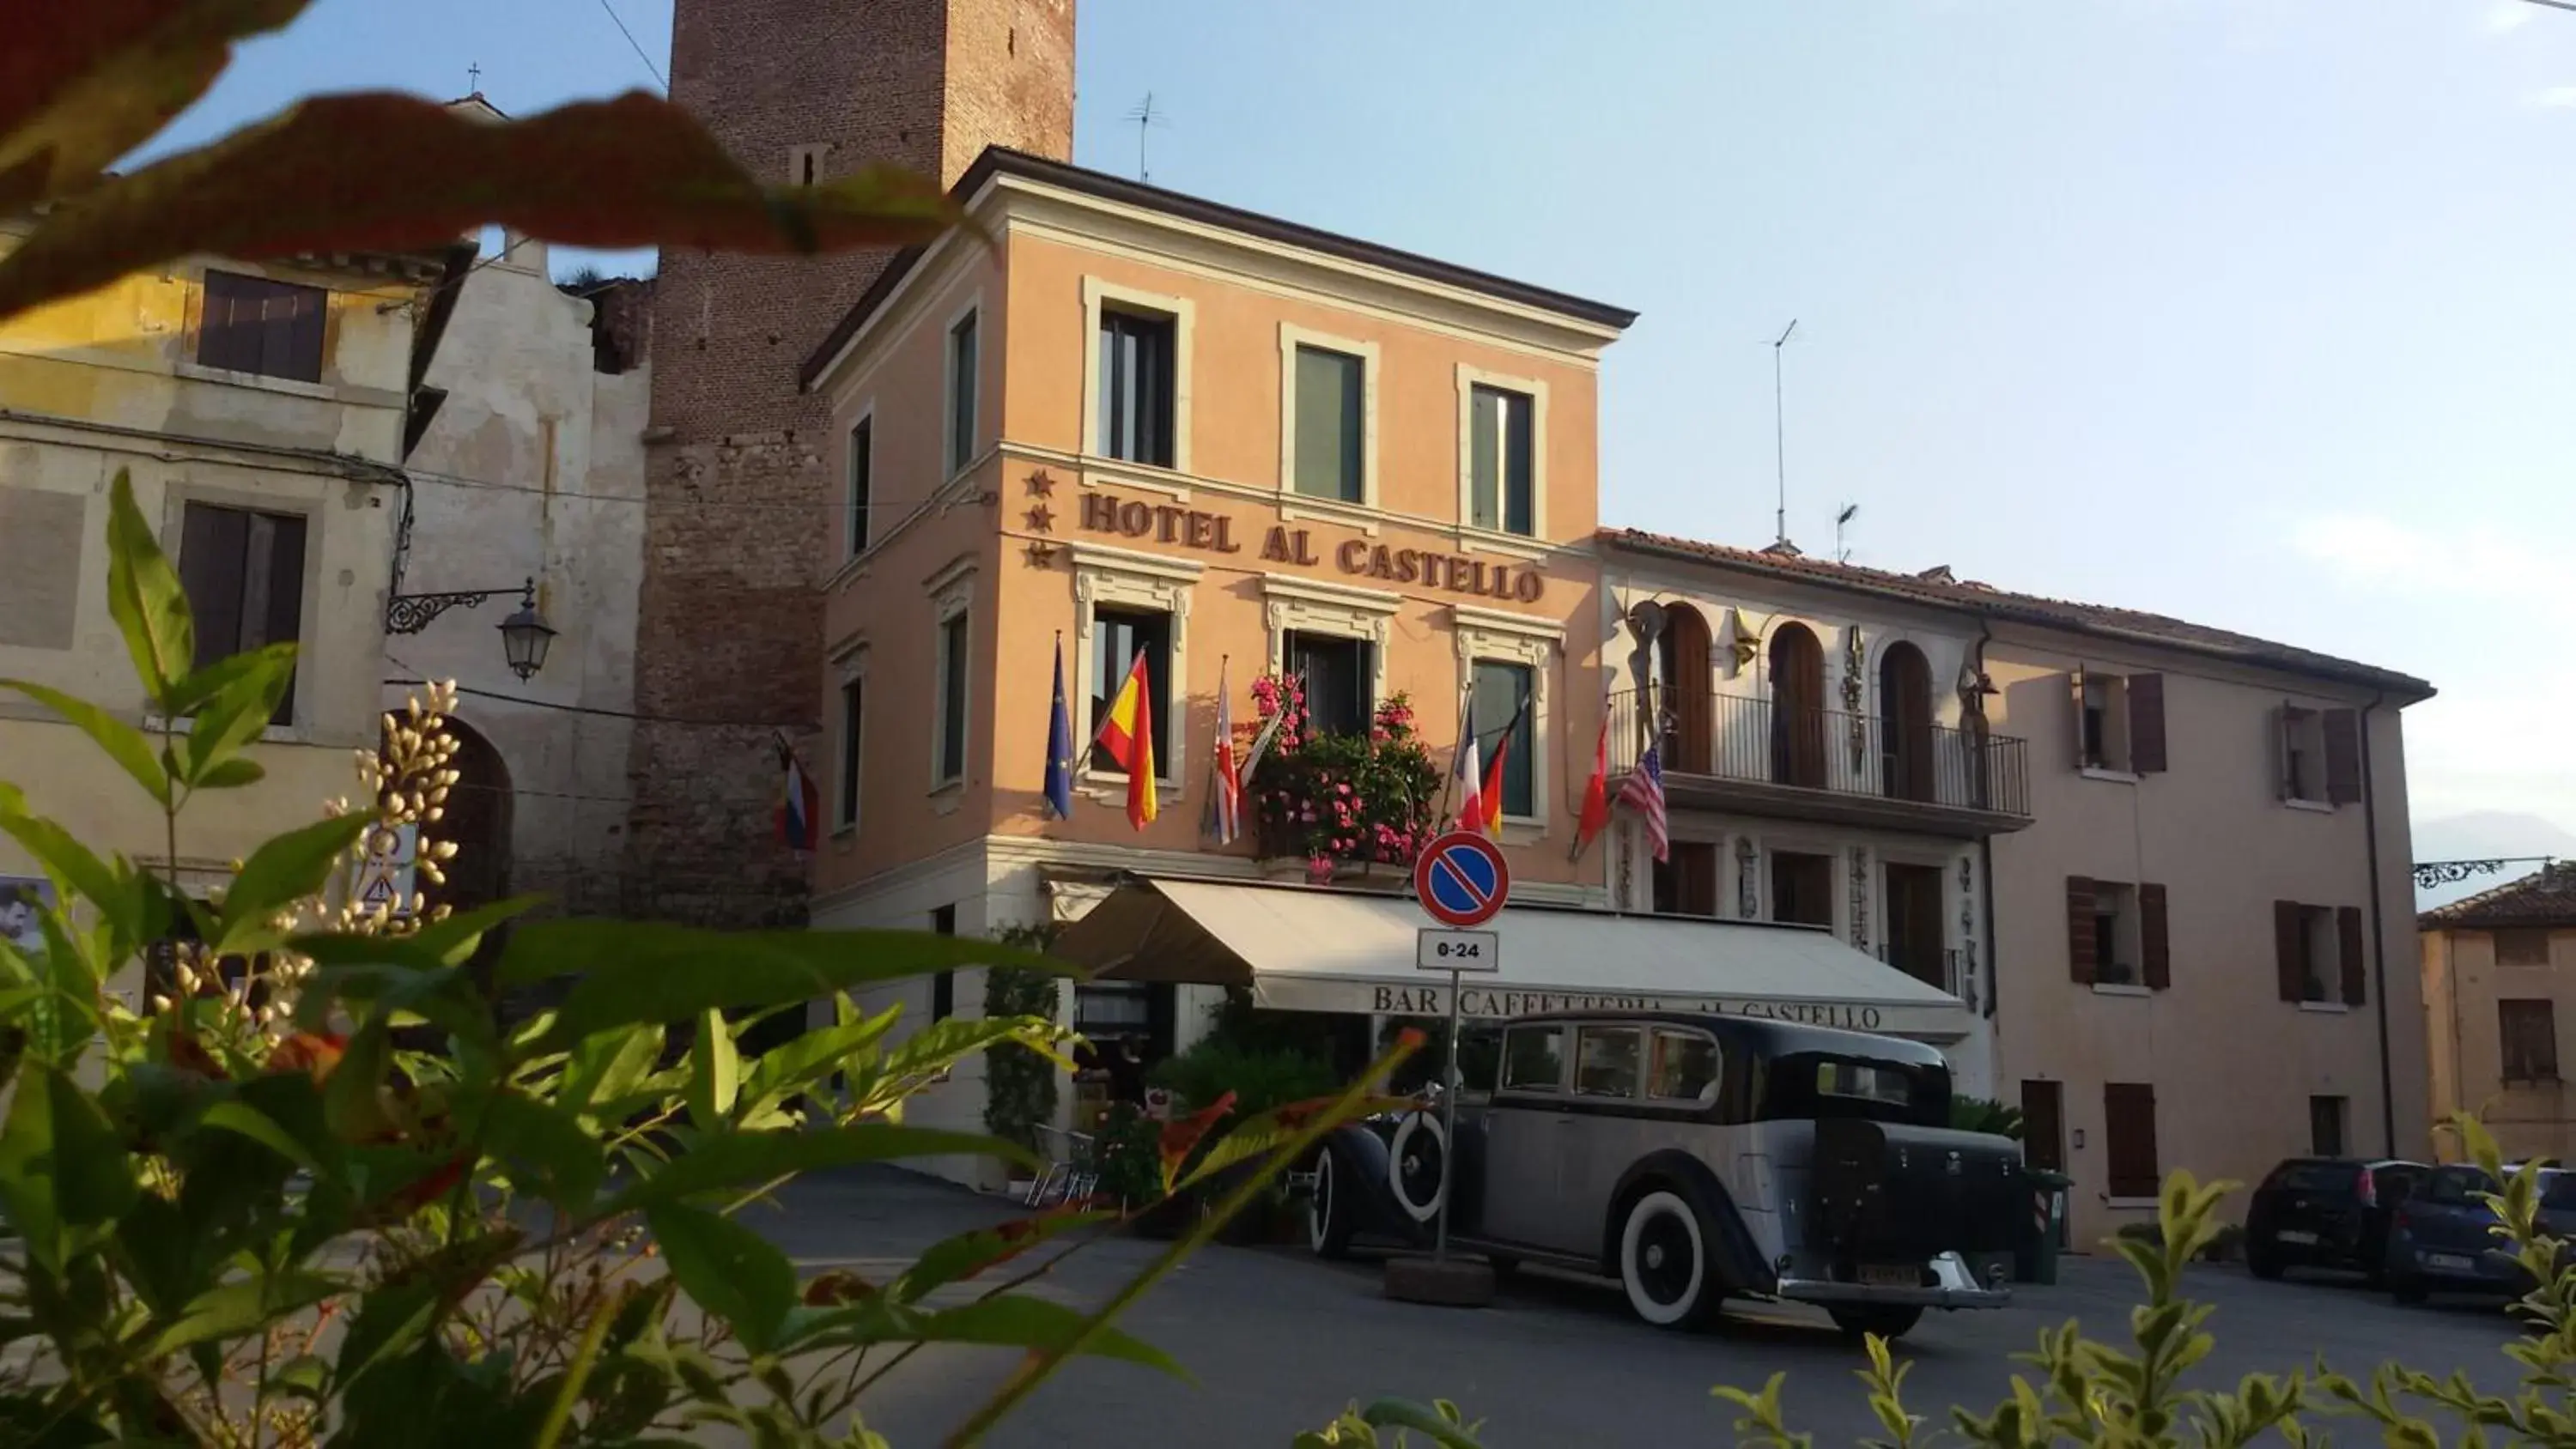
{"x": 1041, "y": 484}
{"x": 1040, "y": 555}
{"x": 1041, "y": 519}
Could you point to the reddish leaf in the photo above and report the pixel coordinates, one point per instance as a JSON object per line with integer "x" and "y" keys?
{"x": 428, "y": 1188}
{"x": 190, "y": 1055}
{"x": 378, "y": 172}
{"x": 1182, "y": 1137}
{"x": 954, "y": 1260}
{"x": 837, "y": 1286}
{"x": 306, "y": 1051}
{"x": 84, "y": 82}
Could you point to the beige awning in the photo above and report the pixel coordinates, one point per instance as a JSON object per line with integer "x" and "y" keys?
{"x": 1303, "y": 949}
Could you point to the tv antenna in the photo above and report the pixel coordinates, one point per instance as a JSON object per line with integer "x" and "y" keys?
{"x": 1780, "y": 436}
{"x": 1843, "y": 520}
{"x": 1146, "y": 119}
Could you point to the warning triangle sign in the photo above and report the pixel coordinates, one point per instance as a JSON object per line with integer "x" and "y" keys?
{"x": 379, "y": 890}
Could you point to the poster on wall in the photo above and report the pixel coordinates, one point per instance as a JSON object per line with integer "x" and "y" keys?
{"x": 23, "y": 899}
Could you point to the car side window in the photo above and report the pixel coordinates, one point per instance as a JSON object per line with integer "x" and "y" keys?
{"x": 1682, "y": 1067}
{"x": 1534, "y": 1059}
{"x": 2457, "y": 1186}
{"x": 1606, "y": 1061}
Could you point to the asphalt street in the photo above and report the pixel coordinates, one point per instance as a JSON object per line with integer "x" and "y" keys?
{"x": 1276, "y": 1342}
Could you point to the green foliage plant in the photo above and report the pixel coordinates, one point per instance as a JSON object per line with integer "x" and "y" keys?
{"x": 314, "y": 1191}
{"x": 1021, "y": 1084}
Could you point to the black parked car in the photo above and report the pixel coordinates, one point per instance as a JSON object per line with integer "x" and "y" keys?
{"x": 2322, "y": 1212}
{"x": 2445, "y": 1241}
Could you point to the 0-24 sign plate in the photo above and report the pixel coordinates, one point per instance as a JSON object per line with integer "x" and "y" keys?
{"x": 1458, "y": 951}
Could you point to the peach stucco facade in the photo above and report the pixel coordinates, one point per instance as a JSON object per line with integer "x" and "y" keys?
{"x": 2499, "y": 978}
{"x": 1033, "y": 528}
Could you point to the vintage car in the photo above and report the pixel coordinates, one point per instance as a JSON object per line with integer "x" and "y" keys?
{"x": 1696, "y": 1158}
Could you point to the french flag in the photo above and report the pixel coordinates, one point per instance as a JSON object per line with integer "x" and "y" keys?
{"x": 800, "y": 812}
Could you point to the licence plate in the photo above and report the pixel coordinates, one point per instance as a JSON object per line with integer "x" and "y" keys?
{"x": 1890, "y": 1275}
{"x": 2449, "y": 1262}
{"x": 2292, "y": 1235}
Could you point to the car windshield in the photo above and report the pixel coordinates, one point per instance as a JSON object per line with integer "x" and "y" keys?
{"x": 2558, "y": 1191}
{"x": 1818, "y": 1084}
{"x": 2457, "y": 1186}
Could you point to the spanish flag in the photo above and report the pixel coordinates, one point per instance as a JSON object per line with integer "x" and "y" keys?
{"x": 1128, "y": 735}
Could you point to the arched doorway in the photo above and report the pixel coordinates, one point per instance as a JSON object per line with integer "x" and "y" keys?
{"x": 1797, "y": 707}
{"x": 1906, "y": 768}
{"x": 1686, "y": 701}
{"x": 477, "y": 818}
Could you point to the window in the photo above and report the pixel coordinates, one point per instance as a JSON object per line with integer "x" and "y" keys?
{"x": 1684, "y": 1067}
{"x": 950, "y": 764}
{"x": 1338, "y": 681}
{"x": 2303, "y": 755}
{"x": 2316, "y": 953}
{"x": 2117, "y": 934}
{"x": 243, "y": 573}
{"x": 1802, "y": 888}
{"x": 2105, "y": 731}
{"x": 251, "y": 324}
{"x": 2129, "y": 1139}
{"x": 1502, "y": 487}
{"x": 1534, "y": 1058}
{"x": 845, "y": 788}
{"x": 943, "y": 986}
{"x": 2458, "y": 1186}
{"x": 1503, "y": 714}
{"x": 963, "y": 379}
{"x": 863, "y": 448}
{"x": 2528, "y": 1034}
{"x": 1606, "y": 1061}
{"x": 2522, "y": 946}
{"x": 1330, "y": 423}
{"x": 2320, "y": 952}
{"x": 1137, "y": 375}
{"x": 1117, "y": 637}
{"x": 2326, "y": 1117}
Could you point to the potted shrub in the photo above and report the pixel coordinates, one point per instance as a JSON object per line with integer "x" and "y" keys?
{"x": 1259, "y": 1081}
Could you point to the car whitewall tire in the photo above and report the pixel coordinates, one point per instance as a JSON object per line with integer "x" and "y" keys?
{"x": 1663, "y": 1260}
{"x": 1324, "y": 1234}
{"x": 1420, "y": 1146}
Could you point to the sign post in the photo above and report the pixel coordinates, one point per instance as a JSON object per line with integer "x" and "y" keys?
{"x": 1462, "y": 881}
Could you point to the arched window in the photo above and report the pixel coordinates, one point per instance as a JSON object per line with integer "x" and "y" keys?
{"x": 1797, "y": 707}
{"x": 1907, "y": 769}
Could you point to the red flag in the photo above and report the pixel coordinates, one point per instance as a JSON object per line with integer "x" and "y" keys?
{"x": 1596, "y": 793}
{"x": 1128, "y": 735}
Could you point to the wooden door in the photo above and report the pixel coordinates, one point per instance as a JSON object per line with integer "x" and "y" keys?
{"x": 1797, "y": 708}
{"x": 2043, "y": 1124}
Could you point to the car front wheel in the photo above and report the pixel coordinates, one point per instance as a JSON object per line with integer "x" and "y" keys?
{"x": 1328, "y": 1212}
{"x": 1663, "y": 1262}
{"x": 2262, "y": 1259}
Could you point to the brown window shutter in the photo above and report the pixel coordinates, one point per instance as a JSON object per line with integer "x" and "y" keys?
{"x": 2129, "y": 1121}
{"x": 2285, "y": 949}
{"x": 2079, "y": 930}
{"x": 2075, "y": 728}
{"x": 2152, "y": 935}
{"x": 212, "y": 544}
{"x": 2281, "y": 751}
{"x": 2356, "y": 974}
{"x": 2343, "y": 756}
{"x": 2147, "y": 723}
{"x": 285, "y": 620}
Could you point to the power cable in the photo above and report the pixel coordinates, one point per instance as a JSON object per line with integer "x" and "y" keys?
{"x": 652, "y": 69}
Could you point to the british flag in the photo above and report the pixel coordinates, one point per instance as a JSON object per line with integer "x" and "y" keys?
{"x": 1644, "y": 792}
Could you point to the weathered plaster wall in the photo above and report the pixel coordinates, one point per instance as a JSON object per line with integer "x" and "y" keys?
{"x": 534, "y": 468}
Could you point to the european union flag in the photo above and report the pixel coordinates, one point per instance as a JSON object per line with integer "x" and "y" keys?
{"x": 1059, "y": 771}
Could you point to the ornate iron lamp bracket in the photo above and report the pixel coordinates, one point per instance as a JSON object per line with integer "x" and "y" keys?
{"x": 411, "y": 613}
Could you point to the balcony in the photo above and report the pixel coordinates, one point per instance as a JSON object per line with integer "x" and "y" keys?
{"x": 1720, "y": 752}
{"x": 1945, "y": 967}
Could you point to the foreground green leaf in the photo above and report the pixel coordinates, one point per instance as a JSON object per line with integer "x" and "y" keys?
{"x": 727, "y": 1269}
{"x": 285, "y": 871}
{"x": 144, "y": 597}
{"x": 132, "y": 750}
{"x": 732, "y": 1161}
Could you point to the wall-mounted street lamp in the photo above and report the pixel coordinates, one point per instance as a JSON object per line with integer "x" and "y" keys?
{"x": 525, "y": 635}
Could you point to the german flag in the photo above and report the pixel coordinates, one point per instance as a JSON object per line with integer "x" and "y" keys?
{"x": 1128, "y": 735}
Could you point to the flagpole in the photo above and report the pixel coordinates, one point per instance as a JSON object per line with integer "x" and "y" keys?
{"x": 1451, "y": 776}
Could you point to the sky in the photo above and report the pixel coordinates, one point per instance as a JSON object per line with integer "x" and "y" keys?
{"x": 2261, "y": 313}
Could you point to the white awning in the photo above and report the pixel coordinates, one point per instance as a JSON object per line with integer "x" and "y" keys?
{"x": 1303, "y": 949}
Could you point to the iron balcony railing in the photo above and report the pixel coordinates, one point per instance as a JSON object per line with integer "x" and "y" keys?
{"x": 1758, "y": 742}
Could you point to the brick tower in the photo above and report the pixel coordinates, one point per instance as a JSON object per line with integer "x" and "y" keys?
{"x": 730, "y": 620}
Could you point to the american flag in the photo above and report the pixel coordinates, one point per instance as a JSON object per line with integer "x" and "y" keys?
{"x": 1645, "y": 792}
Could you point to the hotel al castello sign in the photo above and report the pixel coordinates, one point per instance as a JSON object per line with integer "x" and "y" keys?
{"x": 1205, "y": 532}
